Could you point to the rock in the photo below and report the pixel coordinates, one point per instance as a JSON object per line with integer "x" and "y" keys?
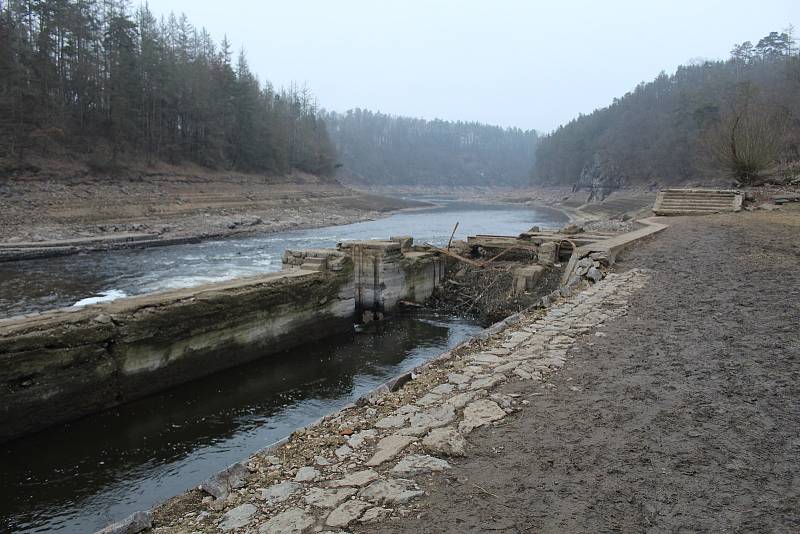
{"x": 443, "y": 389}
{"x": 488, "y": 382}
{"x": 433, "y": 418}
{"x": 392, "y": 421}
{"x": 321, "y": 461}
{"x": 280, "y": 492}
{"x": 389, "y": 447}
{"x": 238, "y": 517}
{"x": 594, "y": 274}
{"x": 510, "y": 366}
{"x": 306, "y": 474}
{"x": 429, "y": 399}
{"x": 447, "y": 441}
{"x": 292, "y": 521}
{"x": 133, "y": 524}
{"x": 343, "y": 452}
{"x": 407, "y": 409}
{"x": 375, "y": 515}
{"x": 346, "y": 513}
{"x": 485, "y": 359}
{"x": 419, "y": 464}
{"x": 357, "y": 440}
{"x": 355, "y": 480}
{"x": 392, "y": 491}
{"x": 523, "y": 374}
{"x": 221, "y": 484}
{"x": 504, "y": 401}
{"x": 460, "y": 400}
{"x": 328, "y": 498}
{"x": 479, "y": 413}
{"x": 457, "y": 378}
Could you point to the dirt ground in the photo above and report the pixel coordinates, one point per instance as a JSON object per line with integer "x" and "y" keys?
{"x": 176, "y": 202}
{"x": 683, "y": 416}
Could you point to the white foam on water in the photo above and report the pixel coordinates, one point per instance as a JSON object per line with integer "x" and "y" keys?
{"x": 106, "y": 296}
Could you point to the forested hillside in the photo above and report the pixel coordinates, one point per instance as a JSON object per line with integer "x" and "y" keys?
{"x": 379, "y": 149}
{"x": 737, "y": 118}
{"x": 95, "y": 80}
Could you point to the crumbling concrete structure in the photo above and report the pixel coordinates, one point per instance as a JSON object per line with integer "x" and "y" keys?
{"x": 63, "y": 364}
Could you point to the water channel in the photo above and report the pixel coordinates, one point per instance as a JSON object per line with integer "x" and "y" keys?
{"x": 81, "y": 476}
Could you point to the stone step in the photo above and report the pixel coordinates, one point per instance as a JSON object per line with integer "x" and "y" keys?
{"x": 698, "y": 201}
{"x": 688, "y": 211}
{"x": 699, "y": 197}
{"x": 702, "y": 191}
{"x": 719, "y": 205}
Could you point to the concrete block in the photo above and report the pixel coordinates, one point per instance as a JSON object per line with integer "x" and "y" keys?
{"x": 547, "y": 254}
{"x": 525, "y": 278}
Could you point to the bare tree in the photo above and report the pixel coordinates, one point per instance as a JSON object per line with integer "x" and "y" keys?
{"x": 748, "y": 138}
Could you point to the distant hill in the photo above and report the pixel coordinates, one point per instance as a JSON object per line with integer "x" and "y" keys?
{"x": 375, "y": 149}
{"x": 738, "y": 118}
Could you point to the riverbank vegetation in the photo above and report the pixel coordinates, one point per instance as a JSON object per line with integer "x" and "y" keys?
{"x": 379, "y": 149}
{"x": 94, "y": 80}
{"x": 738, "y": 118}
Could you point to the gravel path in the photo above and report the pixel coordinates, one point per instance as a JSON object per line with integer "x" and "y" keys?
{"x": 682, "y": 416}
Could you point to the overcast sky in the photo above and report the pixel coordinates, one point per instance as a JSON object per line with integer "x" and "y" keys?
{"x": 519, "y": 63}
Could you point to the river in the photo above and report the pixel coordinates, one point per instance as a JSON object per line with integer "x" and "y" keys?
{"x": 48, "y": 283}
{"x": 78, "y": 477}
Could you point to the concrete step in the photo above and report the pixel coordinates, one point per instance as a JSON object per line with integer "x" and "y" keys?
{"x": 698, "y": 201}
{"x": 692, "y": 208}
{"x": 688, "y": 211}
{"x": 726, "y": 206}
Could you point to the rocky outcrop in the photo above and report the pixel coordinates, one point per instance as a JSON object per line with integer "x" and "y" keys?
{"x": 600, "y": 178}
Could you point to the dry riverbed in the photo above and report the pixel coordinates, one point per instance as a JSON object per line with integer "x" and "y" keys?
{"x": 366, "y": 464}
{"x": 170, "y": 203}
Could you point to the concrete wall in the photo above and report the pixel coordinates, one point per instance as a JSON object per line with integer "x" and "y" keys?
{"x": 385, "y": 275}
{"x": 64, "y": 364}
{"x": 68, "y": 363}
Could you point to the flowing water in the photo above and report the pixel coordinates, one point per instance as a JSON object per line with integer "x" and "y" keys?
{"x": 78, "y": 477}
{"x": 35, "y": 285}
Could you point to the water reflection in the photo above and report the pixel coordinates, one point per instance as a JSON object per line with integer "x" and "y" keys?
{"x": 79, "y": 476}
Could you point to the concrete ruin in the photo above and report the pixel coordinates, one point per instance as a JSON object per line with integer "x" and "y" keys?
{"x": 63, "y": 364}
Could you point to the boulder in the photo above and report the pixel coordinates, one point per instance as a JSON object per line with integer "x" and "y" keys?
{"x": 447, "y": 441}
{"x": 238, "y": 517}
{"x": 292, "y": 521}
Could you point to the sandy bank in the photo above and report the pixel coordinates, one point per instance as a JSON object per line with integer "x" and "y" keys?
{"x": 176, "y": 204}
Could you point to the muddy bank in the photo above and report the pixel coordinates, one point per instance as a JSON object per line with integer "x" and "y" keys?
{"x": 168, "y": 204}
{"x": 680, "y": 416}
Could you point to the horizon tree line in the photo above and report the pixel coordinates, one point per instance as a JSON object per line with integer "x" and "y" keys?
{"x": 110, "y": 83}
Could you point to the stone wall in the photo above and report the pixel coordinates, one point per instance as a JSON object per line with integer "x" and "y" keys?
{"x": 385, "y": 275}
{"x": 61, "y": 365}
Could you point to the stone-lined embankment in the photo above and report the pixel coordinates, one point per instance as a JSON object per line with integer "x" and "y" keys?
{"x": 363, "y": 464}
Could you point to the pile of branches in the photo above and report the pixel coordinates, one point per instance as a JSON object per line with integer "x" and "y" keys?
{"x": 487, "y": 293}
